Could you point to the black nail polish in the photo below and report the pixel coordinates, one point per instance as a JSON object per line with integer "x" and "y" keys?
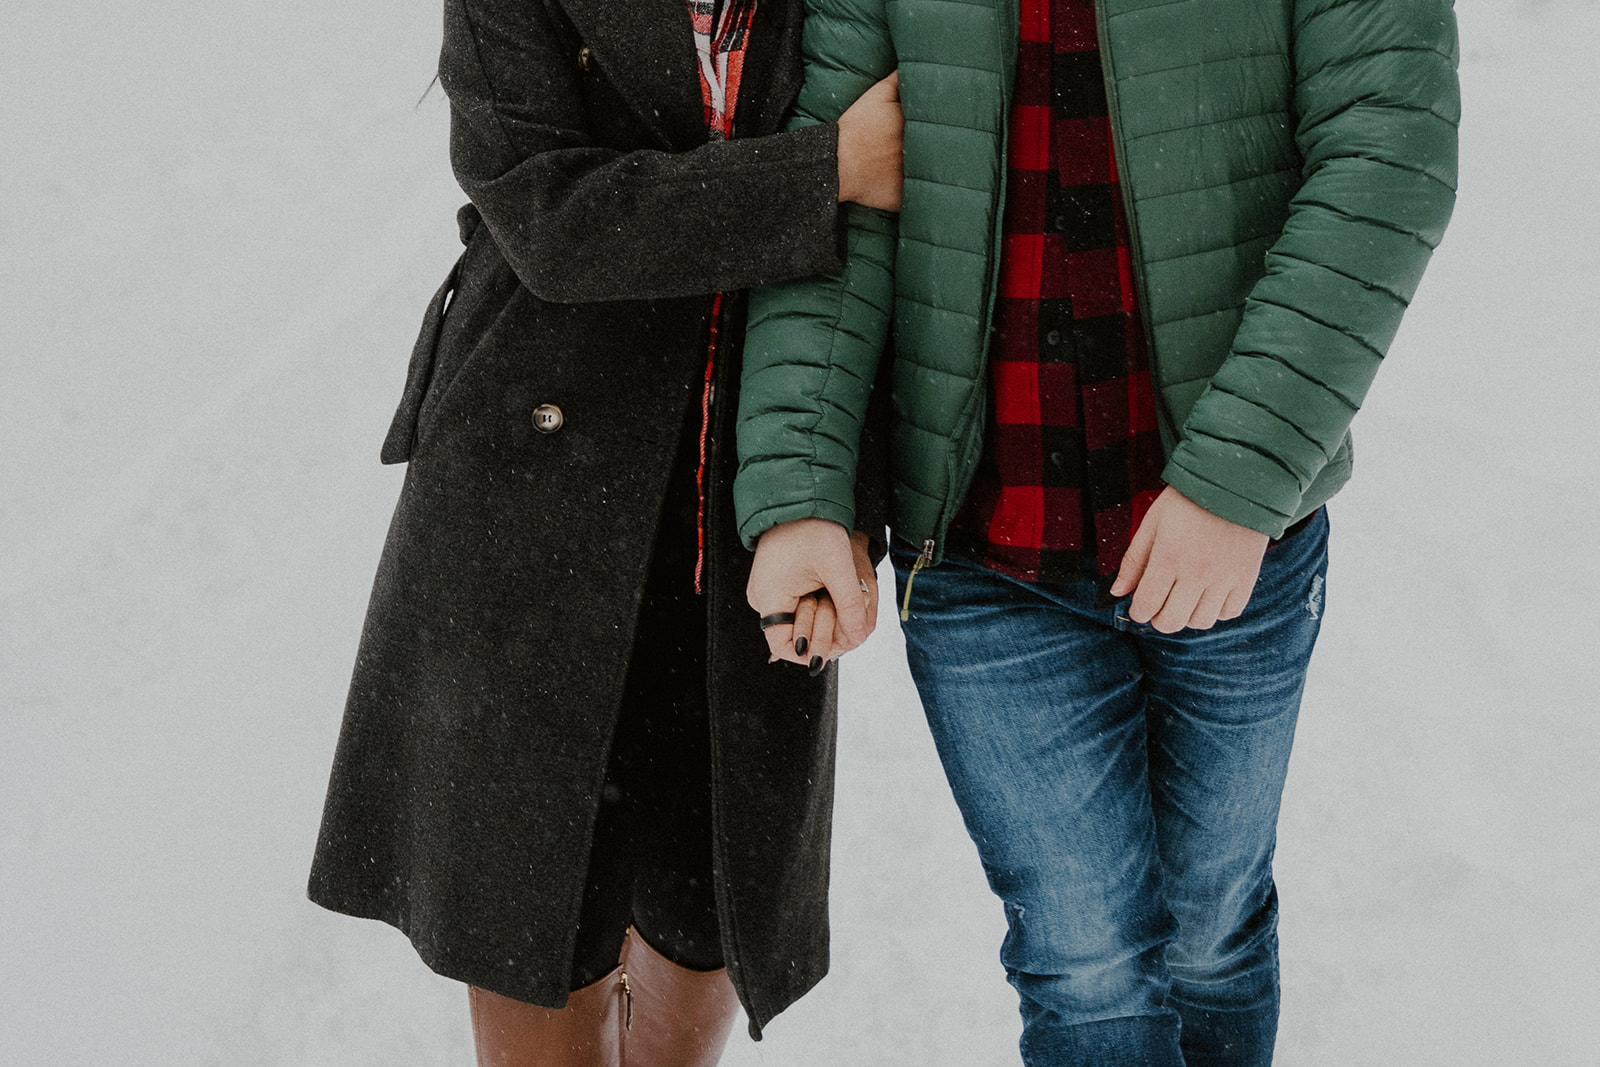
{"x": 816, "y": 665}
{"x": 800, "y": 645}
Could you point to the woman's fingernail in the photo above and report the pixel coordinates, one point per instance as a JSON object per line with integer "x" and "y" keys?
{"x": 800, "y": 645}
{"x": 816, "y": 665}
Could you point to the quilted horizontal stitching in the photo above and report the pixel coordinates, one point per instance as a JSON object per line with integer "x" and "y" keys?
{"x": 941, "y": 64}
{"x": 1200, "y": 63}
{"x": 1299, "y": 373}
{"x": 942, "y": 248}
{"x": 1358, "y": 105}
{"x": 1449, "y": 120}
{"x": 1345, "y": 61}
{"x": 1248, "y": 446}
{"x": 931, "y": 369}
{"x": 1382, "y": 224}
{"x": 1307, "y": 438}
{"x": 906, "y": 486}
{"x": 951, "y": 125}
{"x": 946, "y": 432}
{"x": 1142, "y": 10}
{"x": 1199, "y": 315}
{"x": 988, "y": 188}
{"x": 1206, "y": 125}
{"x": 1220, "y": 185}
{"x": 1335, "y": 6}
{"x": 1371, "y": 286}
{"x": 1304, "y": 314}
{"x": 1269, "y": 235}
{"x": 961, "y": 3}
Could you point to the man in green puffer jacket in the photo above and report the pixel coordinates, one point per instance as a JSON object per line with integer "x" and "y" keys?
{"x": 1149, "y": 257}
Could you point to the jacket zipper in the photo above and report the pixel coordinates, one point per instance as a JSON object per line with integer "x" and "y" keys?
{"x": 922, "y": 561}
{"x": 627, "y": 999}
{"x": 1119, "y": 156}
{"x": 963, "y": 465}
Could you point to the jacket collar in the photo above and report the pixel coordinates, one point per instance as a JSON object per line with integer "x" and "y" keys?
{"x": 646, "y": 49}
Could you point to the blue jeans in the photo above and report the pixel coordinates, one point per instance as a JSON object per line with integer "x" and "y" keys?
{"x": 1122, "y": 786}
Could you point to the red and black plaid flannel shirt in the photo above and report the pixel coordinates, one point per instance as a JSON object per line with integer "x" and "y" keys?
{"x": 1072, "y": 459}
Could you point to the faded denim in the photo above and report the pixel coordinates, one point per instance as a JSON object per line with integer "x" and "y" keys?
{"x": 1122, "y": 787}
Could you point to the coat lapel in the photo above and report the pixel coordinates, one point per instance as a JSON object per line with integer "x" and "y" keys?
{"x": 646, "y": 49}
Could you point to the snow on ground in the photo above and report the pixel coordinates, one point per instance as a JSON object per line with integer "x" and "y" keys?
{"x": 221, "y": 223}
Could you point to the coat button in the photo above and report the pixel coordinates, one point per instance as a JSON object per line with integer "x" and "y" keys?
{"x": 585, "y": 58}
{"x": 547, "y": 418}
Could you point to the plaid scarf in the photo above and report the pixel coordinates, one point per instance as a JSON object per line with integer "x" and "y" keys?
{"x": 721, "y": 28}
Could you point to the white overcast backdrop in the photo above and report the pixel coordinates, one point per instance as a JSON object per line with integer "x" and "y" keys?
{"x": 219, "y": 223}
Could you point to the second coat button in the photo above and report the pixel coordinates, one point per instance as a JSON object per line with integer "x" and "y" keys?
{"x": 547, "y": 418}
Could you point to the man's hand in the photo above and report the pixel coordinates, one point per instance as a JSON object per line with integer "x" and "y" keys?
{"x": 1187, "y": 567}
{"x": 812, "y": 568}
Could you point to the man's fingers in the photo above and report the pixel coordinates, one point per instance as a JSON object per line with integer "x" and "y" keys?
{"x": 1178, "y": 608}
{"x": 844, "y": 587}
{"x": 866, "y": 576}
{"x": 1134, "y": 561}
{"x": 1209, "y": 609}
{"x": 780, "y": 641}
{"x": 1234, "y": 606}
{"x": 805, "y": 629}
{"x": 823, "y": 633}
{"x": 1150, "y": 596}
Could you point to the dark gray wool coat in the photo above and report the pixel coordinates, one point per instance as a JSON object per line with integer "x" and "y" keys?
{"x": 479, "y": 720}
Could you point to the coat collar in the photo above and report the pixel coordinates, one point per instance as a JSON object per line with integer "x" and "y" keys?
{"x": 646, "y": 48}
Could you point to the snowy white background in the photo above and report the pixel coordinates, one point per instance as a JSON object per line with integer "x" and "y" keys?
{"x": 219, "y": 223}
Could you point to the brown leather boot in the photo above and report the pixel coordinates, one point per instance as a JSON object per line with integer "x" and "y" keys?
{"x": 680, "y": 1018}
{"x": 585, "y": 1033}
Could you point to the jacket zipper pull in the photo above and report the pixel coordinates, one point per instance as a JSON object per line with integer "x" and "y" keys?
{"x": 922, "y": 561}
{"x": 627, "y": 1000}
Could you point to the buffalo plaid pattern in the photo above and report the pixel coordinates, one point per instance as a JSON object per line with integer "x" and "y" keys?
{"x": 721, "y": 28}
{"x": 1072, "y": 459}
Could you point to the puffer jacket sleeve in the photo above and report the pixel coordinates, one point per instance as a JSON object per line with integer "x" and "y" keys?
{"x": 579, "y": 221}
{"x": 813, "y": 345}
{"x": 1377, "y": 106}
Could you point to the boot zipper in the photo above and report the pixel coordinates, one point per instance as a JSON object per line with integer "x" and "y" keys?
{"x": 922, "y": 561}
{"x": 627, "y": 1000}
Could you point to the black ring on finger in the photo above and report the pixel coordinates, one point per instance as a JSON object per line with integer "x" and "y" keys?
{"x": 778, "y": 618}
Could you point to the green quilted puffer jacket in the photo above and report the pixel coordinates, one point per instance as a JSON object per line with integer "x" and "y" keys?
{"x": 1288, "y": 167}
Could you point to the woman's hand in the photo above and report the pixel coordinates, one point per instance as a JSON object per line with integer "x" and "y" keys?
{"x": 1188, "y": 567}
{"x": 871, "y": 147}
{"x": 812, "y": 568}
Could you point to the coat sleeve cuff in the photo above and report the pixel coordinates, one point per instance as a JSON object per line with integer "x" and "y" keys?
{"x": 1223, "y": 502}
{"x": 762, "y": 521}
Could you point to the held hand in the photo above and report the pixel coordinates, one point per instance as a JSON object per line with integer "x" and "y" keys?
{"x": 810, "y": 567}
{"x": 871, "y": 147}
{"x": 1187, "y": 567}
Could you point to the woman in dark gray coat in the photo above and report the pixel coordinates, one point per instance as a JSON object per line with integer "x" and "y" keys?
{"x": 566, "y": 770}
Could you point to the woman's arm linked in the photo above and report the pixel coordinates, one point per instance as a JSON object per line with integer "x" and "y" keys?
{"x": 580, "y": 220}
